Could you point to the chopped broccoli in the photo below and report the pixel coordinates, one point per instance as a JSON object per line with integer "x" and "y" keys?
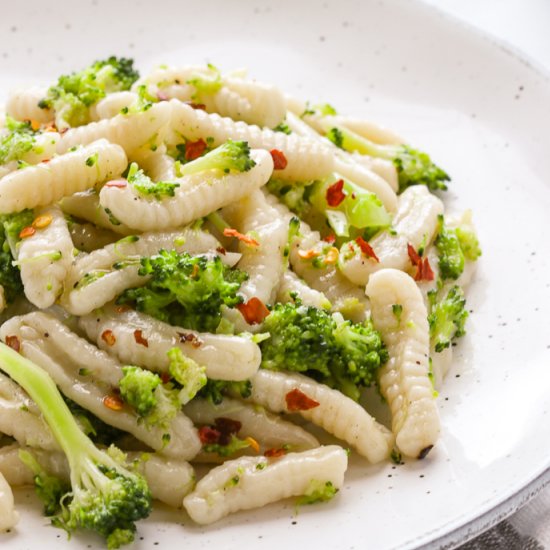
{"x": 50, "y": 489}
{"x": 232, "y": 156}
{"x": 318, "y": 491}
{"x": 73, "y": 94}
{"x": 468, "y": 243}
{"x": 339, "y": 353}
{"x": 206, "y": 84}
{"x": 447, "y": 317}
{"x": 322, "y": 109}
{"x": 105, "y": 497}
{"x": 186, "y": 290}
{"x": 187, "y": 373}
{"x": 214, "y": 390}
{"x": 145, "y": 186}
{"x": 413, "y": 167}
{"x": 283, "y": 128}
{"x": 294, "y": 195}
{"x": 18, "y": 141}
{"x": 229, "y": 449}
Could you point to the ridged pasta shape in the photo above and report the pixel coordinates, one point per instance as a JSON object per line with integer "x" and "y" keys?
{"x": 23, "y": 105}
{"x": 292, "y": 284}
{"x": 415, "y": 223}
{"x": 197, "y": 196}
{"x": 226, "y": 357}
{"x": 337, "y": 414}
{"x": 404, "y": 380}
{"x": 384, "y": 168}
{"x": 8, "y": 516}
{"x": 252, "y": 482}
{"x": 111, "y": 105}
{"x": 269, "y": 430}
{"x": 130, "y": 131}
{"x": 95, "y": 279}
{"x": 64, "y": 175}
{"x": 45, "y": 258}
{"x": 307, "y": 159}
{"x": 46, "y": 342}
{"x": 21, "y": 419}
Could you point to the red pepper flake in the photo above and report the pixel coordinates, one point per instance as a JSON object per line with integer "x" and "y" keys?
{"x": 51, "y": 128}
{"x": 335, "y": 194}
{"x": 208, "y": 435}
{"x": 367, "y": 249}
{"x": 27, "y": 232}
{"x": 45, "y": 161}
{"x": 14, "y": 343}
{"x": 229, "y": 232}
{"x": 330, "y": 239}
{"x": 424, "y": 270}
{"x": 122, "y": 309}
{"x": 161, "y": 96}
{"x": 194, "y": 149}
{"x": 279, "y": 160}
{"x": 254, "y": 311}
{"x": 108, "y": 337}
{"x": 190, "y": 338}
{"x": 308, "y": 254}
{"x": 113, "y": 402}
{"x": 63, "y": 131}
{"x": 227, "y": 427}
{"x": 221, "y": 250}
{"x": 275, "y": 453}
{"x": 34, "y": 124}
{"x": 253, "y": 444}
{"x": 297, "y": 400}
{"x": 139, "y": 338}
{"x": 200, "y": 106}
{"x": 120, "y": 184}
{"x": 165, "y": 378}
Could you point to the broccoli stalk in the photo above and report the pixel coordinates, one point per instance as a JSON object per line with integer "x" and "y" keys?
{"x": 447, "y": 317}
{"x": 414, "y": 167}
{"x": 232, "y": 156}
{"x": 105, "y": 497}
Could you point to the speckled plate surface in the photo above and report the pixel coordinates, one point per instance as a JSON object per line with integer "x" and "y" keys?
{"x": 478, "y": 109}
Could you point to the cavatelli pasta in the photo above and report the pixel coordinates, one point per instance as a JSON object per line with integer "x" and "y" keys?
{"x": 8, "y": 516}
{"x": 23, "y": 105}
{"x": 291, "y": 285}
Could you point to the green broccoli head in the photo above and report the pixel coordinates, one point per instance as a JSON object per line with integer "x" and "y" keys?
{"x": 294, "y": 195}
{"x": 469, "y": 243}
{"x": 18, "y": 140}
{"x": 186, "y": 290}
{"x": 186, "y": 373}
{"x": 447, "y": 317}
{"x": 206, "y": 83}
{"x": 339, "y": 353}
{"x": 145, "y": 186}
{"x": 451, "y": 257}
{"x": 215, "y": 390}
{"x": 231, "y": 157}
{"x": 73, "y": 94}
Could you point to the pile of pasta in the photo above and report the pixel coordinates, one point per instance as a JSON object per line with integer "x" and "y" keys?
{"x": 88, "y": 222}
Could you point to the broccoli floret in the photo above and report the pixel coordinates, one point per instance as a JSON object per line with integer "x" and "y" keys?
{"x": 451, "y": 257}
{"x": 105, "y": 497}
{"x": 206, "y": 84}
{"x": 145, "y": 186}
{"x": 214, "y": 390}
{"x": 50, "y": 489}
{"x": 294, "y": 195}
{"x": 469, "y": 243}
{"x": 187, "y": 373}
{"x": 18, "y": 141}
{"x": 229, "y": 449}
{"x": 339, "y": 353}
{"x": 318, "y": 491}
{"x": 447, "y": 317}
{"x": 232, "y": 156}
{"x": 186, "y": 290}
{"x": 413, "y": 166}
{"x": 73, "y": 94}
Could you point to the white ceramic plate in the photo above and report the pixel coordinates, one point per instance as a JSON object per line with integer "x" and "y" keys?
{"x": 478, "y": 109}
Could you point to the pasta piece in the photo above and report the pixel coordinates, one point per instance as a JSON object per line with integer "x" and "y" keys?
{"x": 85, "y": 205}
{"x": 88, "y": 237}
{"x": 64, "y": 175}
{"x": 225, "y": 357}
{"x": 169, "y": 479}
{"x": 306, "y": 159}
{"x": 252, "y": 482}
{"x": 23, "y": 105}
{"x": 129, "y": 131}
{"x": 21, "y": 419}
{"x": 45, "y": 257}
{"x": 415, "y": 223}
{"x": 269, "y": 430}
{"x": 384, "y": 168}
{"x": 65, "y": 357}
{"x": 291, "y": 285}
{"x": 159, "y": 166}
{"x": 404, "y": 380}
{"x": 111, "y": 105}
{"x": 43, "y": 148}
{"x": 197, "y": 196}
{"x": 8, "y": 516}
{"x": 95, "y": 279}
{"x": 337, "y": 414}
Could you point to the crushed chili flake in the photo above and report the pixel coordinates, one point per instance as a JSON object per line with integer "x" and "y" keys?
{"x": 424, "y": 270}
{"x": 254, "y": 311}
{"x": 330, "y": 239}
{"x": 275, "y": 453}
{"x": 413, "y": 255}
{"x": 51, "y": 128}
{"x": 34, "y": 124}
{"x": 280, "y": 162}
{"x": 221, "y": 250}
{"x": 27, "y": 232}
{"x": 140, "y": 339}
{"x": 335, "y": 193}
{"x": 227, "y": 427}
{"x": 190, "y": 338}
{"x": 331, "y": 257}
{"x": 122, "y": 309}
{"x": 108, "y": 336}
{"x": 253, "y": 443}
{"x": 41, "y": 222}
{"x": 297, "y": 400}
{"x": 367, "y": 249}
{"x": 208, "y": 435}
{"x": 308, "y": 254}
{"x": 200, "y": 106}
{"x": 45, "y": 161}
{"x": 229, "y": 232}
{"x": 427, "y": 273}
{"x": 194, "y": 149}
{"x": 63, "y": 130}
{"x": 14, "y": 343}
{"x": 113, "y": 402}
{"x": 165, "y": 378}
{"x": 117, "y": 183}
